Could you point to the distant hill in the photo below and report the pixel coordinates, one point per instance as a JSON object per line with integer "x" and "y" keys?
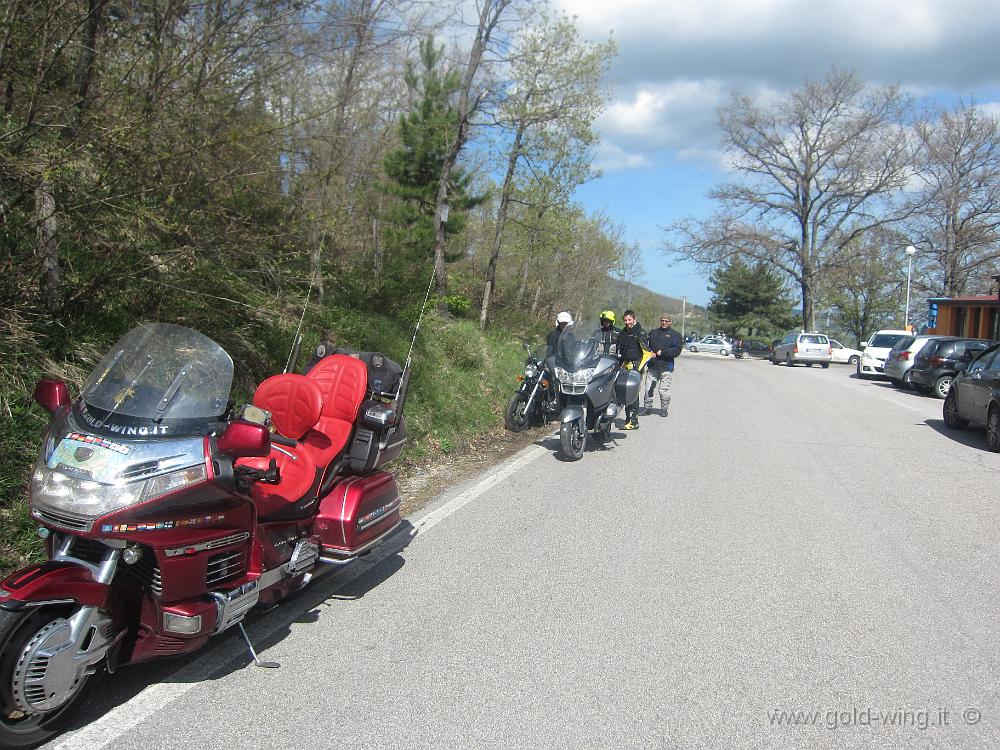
{"x": 649, "y": 304}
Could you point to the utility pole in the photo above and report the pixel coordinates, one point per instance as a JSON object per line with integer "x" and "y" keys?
{"x": 684, "y": 304}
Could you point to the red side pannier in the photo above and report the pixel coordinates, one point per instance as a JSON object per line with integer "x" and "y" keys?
{"x": 358, "y": 513}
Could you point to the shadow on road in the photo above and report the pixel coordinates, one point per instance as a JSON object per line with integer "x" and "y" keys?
{"x": 551, "y": 443}
{"x": 306, "y": 607}
{"x": 971, "y": 436}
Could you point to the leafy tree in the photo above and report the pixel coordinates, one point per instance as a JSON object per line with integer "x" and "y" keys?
{"x": 414, "y": 171}
{"x": 749, "y": 297}
{"x": 865, "y": 291}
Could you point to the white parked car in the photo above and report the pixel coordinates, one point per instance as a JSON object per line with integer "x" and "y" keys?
{"x": 711, "y": 344}
{"x": 872, "y": 362}
{"x": 844, "y": 355}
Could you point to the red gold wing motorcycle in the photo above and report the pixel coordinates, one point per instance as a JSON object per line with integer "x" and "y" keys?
{"x": 168, "y": 515}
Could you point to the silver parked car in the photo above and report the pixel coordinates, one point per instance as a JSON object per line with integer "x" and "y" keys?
{"x": 803, "y": 348}
{"x": 711, "y": 344}
{"x": 900, "y": 359}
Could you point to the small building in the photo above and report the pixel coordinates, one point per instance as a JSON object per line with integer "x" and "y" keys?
{"x": 977, "y": 316}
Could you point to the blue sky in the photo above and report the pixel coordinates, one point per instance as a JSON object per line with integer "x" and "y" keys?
{"x": 680, "y": 60}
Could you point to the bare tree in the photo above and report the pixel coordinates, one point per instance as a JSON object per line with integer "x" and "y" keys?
{"x": 820, "y": 166}
{"x": 956, "y": 224}
{"x": 490, "y": 13}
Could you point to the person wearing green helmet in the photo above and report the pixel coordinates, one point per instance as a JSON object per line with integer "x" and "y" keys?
{"x": 607, "y": 334}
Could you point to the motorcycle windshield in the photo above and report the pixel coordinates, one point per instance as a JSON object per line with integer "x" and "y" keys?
{"x": 577, "y": 350}
{"x": 159, "y": 372}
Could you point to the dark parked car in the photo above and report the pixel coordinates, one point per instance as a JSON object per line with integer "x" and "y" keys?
{"x": 750, "y": 348}
{"x": 941, "y": 358}
{"x": 974, "y": 397}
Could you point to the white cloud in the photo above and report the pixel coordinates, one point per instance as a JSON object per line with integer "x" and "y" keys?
{"x": 680, "y": 59}
{"x": 612, "y": 158}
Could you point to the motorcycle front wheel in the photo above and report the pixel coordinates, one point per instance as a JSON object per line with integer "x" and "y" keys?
{"x": 572, "y": 440}
{"x": 515, "y": 417}
{"x": 19, "y": 726}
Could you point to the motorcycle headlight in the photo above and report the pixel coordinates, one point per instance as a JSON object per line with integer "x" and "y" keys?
{"x": 562, "y": 375}
{"x": 530, "y": 371}
{"x": 87, "y": 498}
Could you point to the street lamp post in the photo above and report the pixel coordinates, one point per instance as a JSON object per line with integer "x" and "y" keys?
{"x": 910, "y": 252}
{"x": 684, "y": 304}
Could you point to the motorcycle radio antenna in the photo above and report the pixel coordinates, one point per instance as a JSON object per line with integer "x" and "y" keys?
{"x": 404, "y": 379}
{"x": 293, "y": 355}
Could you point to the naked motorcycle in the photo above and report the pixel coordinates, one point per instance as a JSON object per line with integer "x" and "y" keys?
{"x": 536, "y": 400}
{"x": 593, "y": 389}
{"x": 168, "y": 513}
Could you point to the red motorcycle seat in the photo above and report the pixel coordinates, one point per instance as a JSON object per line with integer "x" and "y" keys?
{"x": 327, "y": 440}
{"x": 343, "y": 382}
{"x": 295, "y": 403}
{"x": 298, "y": 479}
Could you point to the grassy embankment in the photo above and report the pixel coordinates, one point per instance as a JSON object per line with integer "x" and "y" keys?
{"x": 461, "y": 380}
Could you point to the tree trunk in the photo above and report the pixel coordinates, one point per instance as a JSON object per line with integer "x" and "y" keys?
{"x": 534, "y": 304}
{"x": 316, "y": 260}
{"x": 489, "y": 16}
{"x": 524, "y": 281}
{"x": 377, "y": 252}
{"x": 48, "y": 245}
{"x": 85, "y": 68}
{"x": 505, "y": 191}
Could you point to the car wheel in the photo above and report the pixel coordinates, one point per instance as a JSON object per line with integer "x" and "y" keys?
{"x": 824, "y": 365}
{"x": 788, "y": 360}
{"x": 694, "y": 348}
{"x": 950, "y": 413}
{"x": 993, "y": 429}
{"x": 854, "y": 360}
{"x": 896, "y": 382}
{"x": 723, "y": 352}
{"x": 941, "y": 386}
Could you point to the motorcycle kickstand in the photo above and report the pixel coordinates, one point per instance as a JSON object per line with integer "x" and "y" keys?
{"x": 256, "y": 660}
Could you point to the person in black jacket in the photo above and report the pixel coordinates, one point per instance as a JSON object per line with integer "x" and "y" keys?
{"x": 631, "y": 342}
{"x": 563, "y": 319}
{"x": 666, "y": 344}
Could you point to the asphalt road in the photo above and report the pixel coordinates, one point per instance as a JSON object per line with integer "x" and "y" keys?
{"x": 787, "y": 540}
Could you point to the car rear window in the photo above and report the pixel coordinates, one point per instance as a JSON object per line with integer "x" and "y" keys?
{"x": 813, "y": 339}
{"x": 903, "y": 343}
{"x": 886, "y": 340}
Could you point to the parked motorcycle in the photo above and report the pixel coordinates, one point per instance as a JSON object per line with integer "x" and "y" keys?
{"x": 536, "y": 400}
{"x": 593, "y": 389}
{"x": 168, "y": 514}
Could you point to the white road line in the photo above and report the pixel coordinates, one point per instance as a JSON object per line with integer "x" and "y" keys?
{"x": 123, "y": 718}
{"x": 905, "y": 406}
{"x": 457, "y": 503}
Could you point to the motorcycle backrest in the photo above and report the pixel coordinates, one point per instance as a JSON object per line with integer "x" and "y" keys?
{"x": 295, "y": 403}
{"x": 343, "y": 383}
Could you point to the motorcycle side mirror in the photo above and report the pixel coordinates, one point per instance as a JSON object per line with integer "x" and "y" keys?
{"x": 52, "y": 395}
{"x": 244, "y": 439}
